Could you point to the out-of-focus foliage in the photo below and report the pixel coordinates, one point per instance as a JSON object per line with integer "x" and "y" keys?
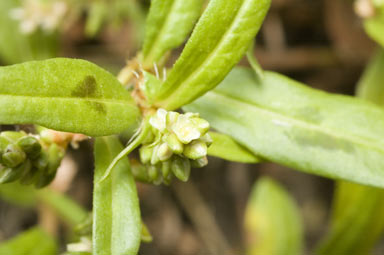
{"x": 272, "y": 221}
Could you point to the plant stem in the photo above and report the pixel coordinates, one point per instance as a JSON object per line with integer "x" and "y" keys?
{"x": 142, "y": 132}
{"x": 254, "y": 63}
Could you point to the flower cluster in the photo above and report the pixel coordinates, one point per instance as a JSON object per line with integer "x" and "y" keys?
{"x": 34, "y": 14}
{"x": 176, "y": 142}
{"x": 23, "y": 157}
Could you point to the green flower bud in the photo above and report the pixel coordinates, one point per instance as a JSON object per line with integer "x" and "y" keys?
{"x": 174, "y": 144}
{"x": 154, "y": 174}
{"x": 195, "y": 150}
{"x": 164, "y": 152}
{"x": 166, "y": 172}
{"x": 181, "y": 168}
{"x": 185, "y": 130}
{"x": 139, "y": 171}
{"x": 200, "y": 162}
{"x": 54, "y": 156}
{"x": 171, "y": 119}
{"x": 29, "y": 177}
{"x": 30, "y": 145}
{"x": 201, "y": 125}
{"x": 13, "y": 156}
{"x": 8, "y": 174}
{"x": 145, "y": 152}
{"x": 155, "y": 158}
{"x": 4, "y": 142}
{"x": 207, "y": 139}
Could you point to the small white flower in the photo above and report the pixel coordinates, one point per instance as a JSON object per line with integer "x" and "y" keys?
{"x": 185, "y": 130}
{"x": 158, "y": 121}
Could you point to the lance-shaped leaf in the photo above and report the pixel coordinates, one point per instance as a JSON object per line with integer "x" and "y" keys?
{"x": 219, "y": 40}
{"x": 15, "y": 46}
{"x": 116, "y": 212}
{"x": 358, "y": 211}
{"x": 289, "y": 123}
{"x": 66, "y": 95}
{"x": 357, "y": 220}
{"x": 168, "y": 24}
{"x": 223, "y": 146}
{"x": 34, "y": 241}
{"x": 272, "y": 222}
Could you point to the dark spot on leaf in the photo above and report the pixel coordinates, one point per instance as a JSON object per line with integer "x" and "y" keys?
{"x": 86, "y": 88}
{"x": 99, "y": 107}
{"x": 321, "y": 140}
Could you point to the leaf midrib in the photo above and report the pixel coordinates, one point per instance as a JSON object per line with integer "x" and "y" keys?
{"x": 299, "y": 122}
{"x": 217, "y": 47}
{"x": 101, "y": 100}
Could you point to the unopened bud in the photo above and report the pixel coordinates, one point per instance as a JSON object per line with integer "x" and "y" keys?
{"x": 158, "y": 121}
{"x": 145, "y": 152}
{"x": 13, "y": 136}
{"x": 154, "y": 174}
{"x": 201, "y": 125}
{"x": 176, "y": 146}
{"x": 195, "y": 150}
{"x": 207, "y": 139}
{"x": 200, "y": 162}
{"x": 181, "y": 168}
{"x": 13, "y": 156}
{"x": 185, "y": 130}
{"x": 172, "y": 118}
{"x": 30, "y": 145}
{"x": 166, "y": 172}
{"x": 164, "y": 152}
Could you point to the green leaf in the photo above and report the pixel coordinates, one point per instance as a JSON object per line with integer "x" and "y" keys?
{"x": 63, "y": 206}
{"x": 34, "y": 241}
{"x": 357, "y": 221}
{"x": 18, "y": 194}
{"x": 272, "y": 221}
{"x": 287, "y": 122}
{"x": 16, "y": 47}
{"x": 374, "y": 26}
{"x": 66, "y": 95}
{"x": 370, "y": 86}
{"x": 219, "y": 40}
{"x": 225, "y": 147}
{"x": 360, "y": 205}
{"x": 116, "y": 212}
{"x": 168, "y": 24}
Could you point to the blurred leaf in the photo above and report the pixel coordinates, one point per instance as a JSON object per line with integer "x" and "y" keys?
{"x": 371, "y": 85}
{"x": 16, "y": 47}
{"x": 289, "y": 123}
{"x": 358, "y": 211}
{"x": 272, "y": 221}
{"x": 168, "y": 24}
{"x": 97, "y": 14}
{"x": 374, "y": 26}
{"x": 225, "y": 147}
{"x": 18, "y": 194}
{"x": 34, "y": 241}
{"x": 219, "y": 40}
{"x": 116, "y": 212}
{"x": 63, "y": 206}
{"x": 67, "y": 95}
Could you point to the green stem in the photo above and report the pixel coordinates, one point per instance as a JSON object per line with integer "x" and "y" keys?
{"x": 142, "y": 133}
{"x": 254, "y": 63}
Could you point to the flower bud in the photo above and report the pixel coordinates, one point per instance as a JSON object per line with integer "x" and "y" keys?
{"x": 155, "y": 158}
{"x": 171, "y": 119}
{"x": 185, "y": 130}
{"x": 201, "y": 125}
{"x": 158, "y": 121}
{"x": 139, "y": 171}
{"x": 166, "y": 172}
{"x": 8, "y": 174}
{"x": 13, "y": 136}
{"x": 13, "y": 156}
{"x": 30, "y": 145}
{"x": 200, "y": 162}
{"x": 181, "y": 168}
{"x": 195, "y": 150}
{"x": 207, "y": 139}
{"x": 164, "y": 152}
{"x": 145, "y": 152}
{"x": 174, "y": 144}
{"x": 154, "y": 174}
